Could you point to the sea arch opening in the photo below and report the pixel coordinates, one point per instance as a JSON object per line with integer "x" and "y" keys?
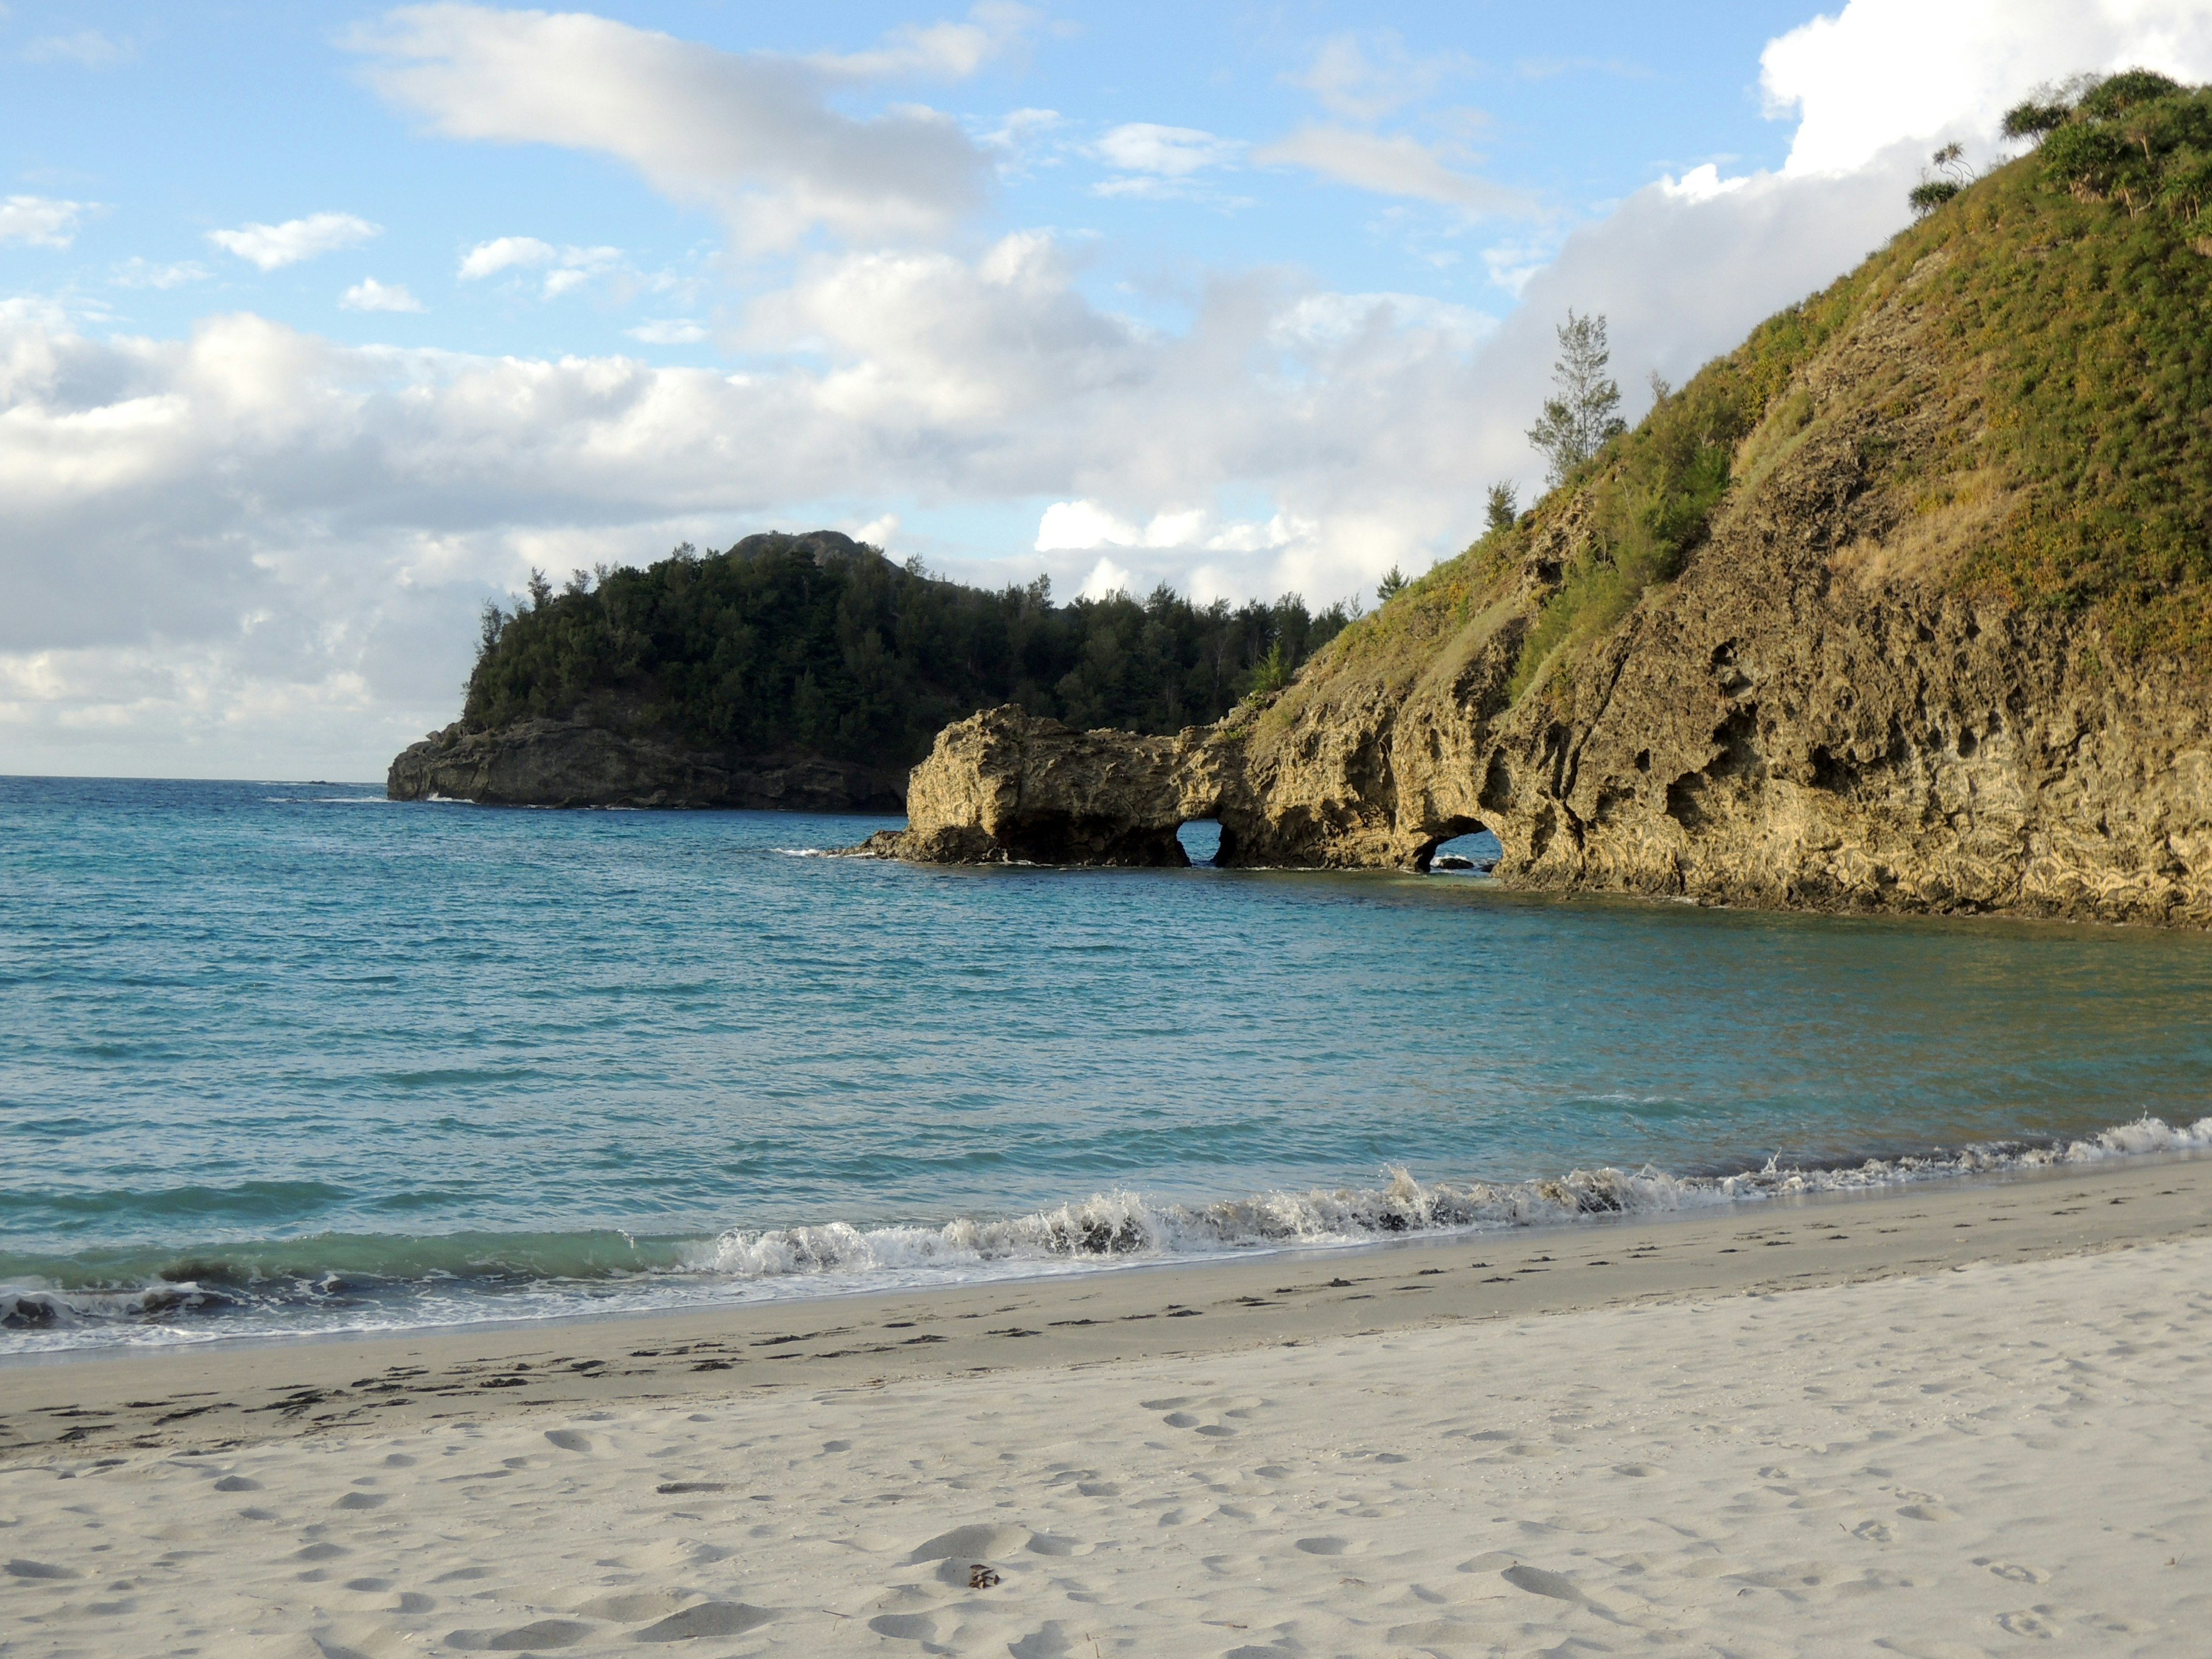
{"x": 1462, "y": 846}
{"x": 1202, "y": 841}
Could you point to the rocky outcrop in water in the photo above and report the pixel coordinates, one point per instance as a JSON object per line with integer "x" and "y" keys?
{"x": 1822, "y": 710}
{"x": 1791, "y": 740}
{"x": 591, "y": 762}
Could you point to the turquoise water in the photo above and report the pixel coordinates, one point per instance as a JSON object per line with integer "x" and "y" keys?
{"x": 290, "y": 1057}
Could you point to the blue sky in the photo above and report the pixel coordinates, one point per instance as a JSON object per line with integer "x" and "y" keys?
{"x": 177, "y": 125}
{"x": 320, "y": 325}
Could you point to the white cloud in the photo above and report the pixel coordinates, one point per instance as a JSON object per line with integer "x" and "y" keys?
{"x": 1082, "y": 524}
{"x": 369, "y": 294}
{"x": 1367, "y": 78}
{"x": 1022, "y": 125}
{"x": 749, "y": 134}
{"x": 574, "y": 267}
{"x": 1397, "y": 166}
{"x": 272, "y": 246}
{"x": 1881, "y": 70}
{"x": 1169, "y": 152}
{"x": 1322, "y": 320}
{"x": 1105, "y": 580}
{"x": 41, "y": 221}
{"x": 1701, "y": 184}
{"x": 138, "y": 272}
{"x": 669, "y": 331}
{"x": 88, "y": 48}
{"x": 505, "y": 253}
{"x": 276, "y": 544}
{"x": 946, "y": 51}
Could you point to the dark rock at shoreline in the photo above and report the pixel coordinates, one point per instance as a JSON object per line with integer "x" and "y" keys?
{"x": 588, "y": 762}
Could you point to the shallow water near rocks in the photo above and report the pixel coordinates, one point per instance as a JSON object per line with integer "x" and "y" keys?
{"x": 289, "y": 1057}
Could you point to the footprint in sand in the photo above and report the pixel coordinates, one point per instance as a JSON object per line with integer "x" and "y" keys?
{"x": 39, "y": 1570}
{"x": 986, "y": 1543}
{"x": 1537, "y": 1582}
{"x": 363, "y": 1500}
{"x": 237, "y": 1483}
{"x": 1873, "y": 1532}
{"x": 707, "y": 1619}
{"x": 1928, "y": 1512}
{"x": 1325, "y": 1546}
{"x": 906, "y": 1626}
{"x": 2029, "y": 1621}
{"x": 523, "y": 1639}
{"x": 568, "y": 1440}
{"x": 2013, "y": 1571}
{"x": 631, "y": 1606}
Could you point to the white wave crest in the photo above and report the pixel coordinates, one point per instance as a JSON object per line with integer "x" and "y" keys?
{"x": 1125, "y": 1225}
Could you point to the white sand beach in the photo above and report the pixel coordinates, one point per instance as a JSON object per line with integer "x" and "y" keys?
{"x": 2004, "y": 1451}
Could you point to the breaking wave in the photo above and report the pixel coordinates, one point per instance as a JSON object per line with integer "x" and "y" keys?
{"x": 1125, "y": 1225}
{"x": 371, "y": 1283}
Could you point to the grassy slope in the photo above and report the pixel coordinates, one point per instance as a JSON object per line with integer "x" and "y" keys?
{"x": 2059, "y": 399}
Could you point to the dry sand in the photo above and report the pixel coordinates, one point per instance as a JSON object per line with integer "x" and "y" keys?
{"x": 1957, "y": 1420}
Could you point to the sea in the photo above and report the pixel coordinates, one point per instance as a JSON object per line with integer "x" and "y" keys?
{"x": 286, "y": 1059}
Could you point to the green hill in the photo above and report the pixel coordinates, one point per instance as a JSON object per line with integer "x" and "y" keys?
{"x": 2024, "y": 378}
{"x": 820, "y": 644}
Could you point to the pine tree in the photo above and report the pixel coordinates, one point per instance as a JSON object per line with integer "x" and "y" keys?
{"x": 1576, "y": 425}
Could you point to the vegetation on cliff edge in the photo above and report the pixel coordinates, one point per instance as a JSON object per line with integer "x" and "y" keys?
{"x": 2056, "y": 398}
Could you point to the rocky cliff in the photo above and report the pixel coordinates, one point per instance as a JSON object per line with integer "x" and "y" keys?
{"x": 591, "y": 762}
{"x": 1931, "y": 635}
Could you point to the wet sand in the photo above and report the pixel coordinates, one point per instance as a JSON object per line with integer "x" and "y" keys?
{"x": 1958, "y": 1419}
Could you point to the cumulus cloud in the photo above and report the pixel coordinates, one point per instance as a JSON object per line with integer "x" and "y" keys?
{"x": 573, "y": 267}
{"x": 505, "y": 253}
{"x": 270, "y": 247}
{"x": 944, "y": 51}
{"x": 1881, "y": 70}
{"x": 251, "y": 550}
{"x": 369, "y": 294}
{"x": 1171, "y": 152}
{"x": 40, "y": 221}
{"x": 750, "y": 134}
{"x": 669, "y": 331}
{"x": 1391, "y": 166}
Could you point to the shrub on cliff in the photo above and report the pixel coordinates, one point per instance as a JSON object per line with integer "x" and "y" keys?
{"x": 818, "y": 642}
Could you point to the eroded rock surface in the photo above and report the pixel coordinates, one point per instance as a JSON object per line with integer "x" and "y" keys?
{"x": 1788, "y": 740}
{"x": 1816, "y": 713}
{"x": 1005, "y": 787}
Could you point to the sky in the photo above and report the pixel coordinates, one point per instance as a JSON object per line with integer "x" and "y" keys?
{"x": 321, "y": 325}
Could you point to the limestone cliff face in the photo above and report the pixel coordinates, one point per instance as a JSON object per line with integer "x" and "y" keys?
{"x": 1817, "y": 711}
{"x": 589, "y": 761}
{"x": 1765, "y": 732}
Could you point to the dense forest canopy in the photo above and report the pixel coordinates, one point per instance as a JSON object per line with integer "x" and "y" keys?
{"x": 820, "y": 642}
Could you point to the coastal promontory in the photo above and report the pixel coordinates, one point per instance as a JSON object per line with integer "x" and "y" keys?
{"x": 1905, "y": 605}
